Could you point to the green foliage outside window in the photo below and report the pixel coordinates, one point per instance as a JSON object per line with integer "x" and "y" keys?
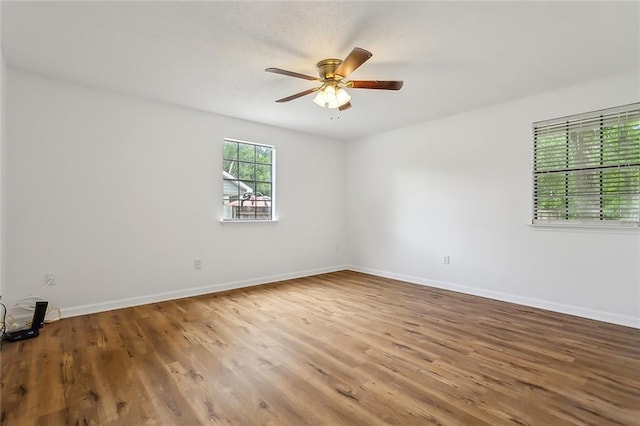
{"x": 249, "y": 163}
{"x": 588, "y": 168}
{"x": 248, "y": 180}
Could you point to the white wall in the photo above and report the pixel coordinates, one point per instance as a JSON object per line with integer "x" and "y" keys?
{"x": 117, "y": 196}
{"x": 3, "y": 126}
{"x": 461, "y": 186}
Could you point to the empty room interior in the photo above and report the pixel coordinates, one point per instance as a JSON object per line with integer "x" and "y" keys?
{"x": 322, "y": 213}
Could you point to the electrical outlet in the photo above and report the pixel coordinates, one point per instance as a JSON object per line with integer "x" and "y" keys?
{"x": 197, "y": 264}
{"x": 50, "y": 279}
{"x": 447, "y": 260}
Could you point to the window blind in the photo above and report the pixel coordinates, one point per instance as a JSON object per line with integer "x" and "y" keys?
{"x": 586, "y": 168}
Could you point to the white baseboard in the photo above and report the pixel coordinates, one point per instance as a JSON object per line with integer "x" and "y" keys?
{"x": 506, "y": 297}
{"x": 609, "y": 317}
{"x": 74, "y": 311}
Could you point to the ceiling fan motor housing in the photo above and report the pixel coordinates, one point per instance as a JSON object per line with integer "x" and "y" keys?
{"x": 327, "y": 68}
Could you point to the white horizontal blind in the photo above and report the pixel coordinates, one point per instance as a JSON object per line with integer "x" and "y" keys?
{"x": 586, "y": 168}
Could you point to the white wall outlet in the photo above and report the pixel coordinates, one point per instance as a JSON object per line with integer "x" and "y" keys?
{"x": 197, "y": 264}
{"x": 49, "y": 279}
{"x": 446, "y": 260}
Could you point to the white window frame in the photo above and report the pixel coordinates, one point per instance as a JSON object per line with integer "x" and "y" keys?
{"x": 272, "y": 218}
{"x": 583, "y": 197}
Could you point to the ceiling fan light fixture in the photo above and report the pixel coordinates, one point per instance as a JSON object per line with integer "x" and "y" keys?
{"x": 329, "y": 97}
{"x": 320, "y": 98}
{"x": 342, "y": 96}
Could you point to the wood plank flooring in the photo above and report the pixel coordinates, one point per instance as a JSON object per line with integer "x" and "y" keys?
{"x": 335, "y": 349}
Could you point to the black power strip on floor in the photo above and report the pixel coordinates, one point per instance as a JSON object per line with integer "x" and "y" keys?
{"x": 15, "y": 336}
{"x": 37, "y": 322}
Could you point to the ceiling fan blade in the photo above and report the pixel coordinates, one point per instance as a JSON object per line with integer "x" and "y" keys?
{"x": 298, "y": 95}
{"x": 345, "y": 106}
{"x": 291, "y": 73}
{"x": 375, "y": 84}
{"x": 357, "y": 57}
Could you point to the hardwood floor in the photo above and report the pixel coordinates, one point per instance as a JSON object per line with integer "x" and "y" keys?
{"x": 337, "y": 349}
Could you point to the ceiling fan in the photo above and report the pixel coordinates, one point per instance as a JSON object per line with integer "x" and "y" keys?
{"x": 331, "y": 93}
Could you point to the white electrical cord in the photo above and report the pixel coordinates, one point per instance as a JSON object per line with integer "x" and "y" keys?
{"x": 3, "y": 327}
{"x": 28, "y": 304}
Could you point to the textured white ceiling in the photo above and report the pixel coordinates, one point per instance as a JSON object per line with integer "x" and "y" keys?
{"x": 452, "y": 56}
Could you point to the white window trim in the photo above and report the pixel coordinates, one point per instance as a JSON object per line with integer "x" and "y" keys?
{"x": 584, "y": 228}
{"x": 274, "y": 219}
{"x": 580, "y": 225}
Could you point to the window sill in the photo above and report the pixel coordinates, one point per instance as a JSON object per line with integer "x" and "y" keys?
{"x": 248, "y": 221}
{"x": 583, "y": 227}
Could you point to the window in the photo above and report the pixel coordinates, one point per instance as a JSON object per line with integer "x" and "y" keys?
{"x": 248, "y": 181}
{"x": 586, "y": 168}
